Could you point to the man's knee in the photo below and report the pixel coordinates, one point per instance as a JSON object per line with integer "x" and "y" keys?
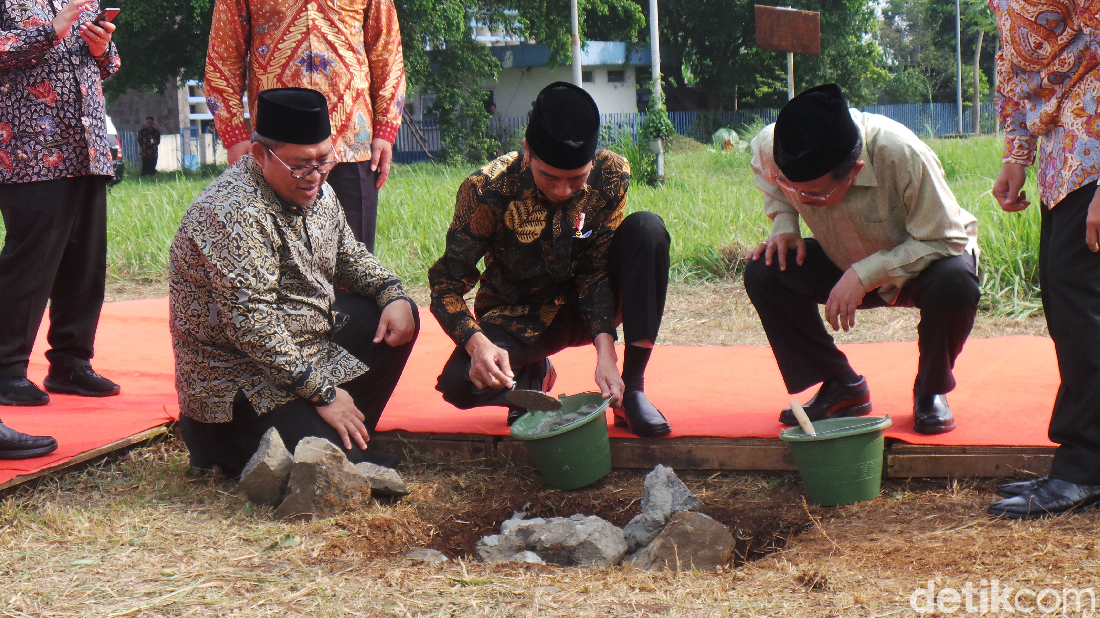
{"x": 644, "y": 229}
{"x": 954, "y": 285}
{"x": 758, "y": 277}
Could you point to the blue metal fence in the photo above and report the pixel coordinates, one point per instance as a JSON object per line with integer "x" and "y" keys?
{"x": 924, "y": 119}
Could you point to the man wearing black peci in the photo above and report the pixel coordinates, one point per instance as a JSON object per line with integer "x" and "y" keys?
{"x": 887, "y": 231}
{"x": 562, "y": 268}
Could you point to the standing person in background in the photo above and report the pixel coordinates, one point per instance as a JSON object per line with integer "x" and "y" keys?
{"x": 55, "y": 163}
{"x": 349, "y": 51}
{"x": 148, "y": 141}
{"x": 1047, "y": 87}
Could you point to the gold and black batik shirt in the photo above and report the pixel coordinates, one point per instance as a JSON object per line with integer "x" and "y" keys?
{"x": 251, "y": 291}
{"x": 537, "y": 258}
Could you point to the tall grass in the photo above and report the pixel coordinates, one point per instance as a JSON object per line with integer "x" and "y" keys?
{"x": 713, "y": 213}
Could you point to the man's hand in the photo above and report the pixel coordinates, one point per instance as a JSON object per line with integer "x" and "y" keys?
{"x": 97, "y": 36}
{"x": 381, "y": 155}
{"x": 846, "y": 296}
{"x": 1092, "y": 223}
{"x": 396, "y": 325}
{"x": 488, "y": 363}
{"x": 780, "y": 244}
{"x": 607, "y": 371}
{"x": 236, "y": 151}
{"x": 1007, "y": 189}
{"x": 67, "y": 16}
{"x": 346, "y": 419}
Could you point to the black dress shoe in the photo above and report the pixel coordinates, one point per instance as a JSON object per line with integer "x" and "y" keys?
{"x": 1048, "y": 497}
{"x": 931, "y": 414}
{"x": 834, "y": 398}
{"x": 514, "y": 415}
{"x": 640, "y": 417}
{"x": 80, "y": 381}
{"x": 16, "y": 445}
{"x": 19, "y": 391}
{"x": 1016, "y": 488}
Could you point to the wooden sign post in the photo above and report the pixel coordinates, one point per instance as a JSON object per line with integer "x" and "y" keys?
{"x": 789, "y": 30}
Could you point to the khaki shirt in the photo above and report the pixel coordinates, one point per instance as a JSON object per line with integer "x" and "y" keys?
{"x": 898, "y": 217}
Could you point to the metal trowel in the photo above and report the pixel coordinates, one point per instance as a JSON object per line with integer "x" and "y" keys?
{"x": 532, "y": 400}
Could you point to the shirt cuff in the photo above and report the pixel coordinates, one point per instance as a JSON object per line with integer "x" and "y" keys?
{"x": 233, "y": 134}
{"x": 384, "y": 129}
{"x": 310, "y": 384}
{"x": 785, "y": 222}
{"x": 871, "y": 270}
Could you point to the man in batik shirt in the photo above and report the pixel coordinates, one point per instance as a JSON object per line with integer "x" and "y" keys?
{"x": 562, "y": 268}
{"x": 349, "y": 50}
{"x": 148, "y": 143}
{"x": 279, "y": 317}
{"x": 1048, "y": 84}
{"x": 55, "y": 163}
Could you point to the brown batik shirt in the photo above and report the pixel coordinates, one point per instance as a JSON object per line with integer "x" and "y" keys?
{"x": 536, "y": 259}
{"x": 251, "y": 292}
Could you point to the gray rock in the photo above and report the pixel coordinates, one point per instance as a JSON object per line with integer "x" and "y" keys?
{"x": 527, "y": 557}
{"x": 511, "y": 524}
{"x": 690, "y": 540}
{"x": 499, "y": 547}
{"x": 265, "y": 475}
{"x": 423, "y": 554}
{"x": 666, "y": 494}
{"x": 577, "y": 541}
{"x": 383, "y": 480}
{"x": 645, "y": 527}
{"x": 322, "y": 482}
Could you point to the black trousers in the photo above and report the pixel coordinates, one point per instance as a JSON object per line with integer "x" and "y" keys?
{"x": 354, "y": 187}
{"x": 149, "y": 165}
{"x": 1069, "y": 275}
{"x": 946, "y": 292}
{"x": 230, "y": 445}
{"x": 638, "y": 264}
{"x": 55, "y": 251}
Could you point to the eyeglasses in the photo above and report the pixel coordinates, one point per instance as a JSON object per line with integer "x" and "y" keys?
{"x": 301, "y": 171}
{"x": 809, "y": 197}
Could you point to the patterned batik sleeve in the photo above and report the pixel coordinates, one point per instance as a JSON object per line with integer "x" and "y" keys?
{"x": 224, "y": 85}
{"x": 244, "y": 278}
{"x": 456, "y": 273}
{"x": 19, "y": 46}
{"x": 361, "y": 271}
{"x": 595, "y": 301}
{"x": 382, "y": 41}
{"x": 1020, "y": 144}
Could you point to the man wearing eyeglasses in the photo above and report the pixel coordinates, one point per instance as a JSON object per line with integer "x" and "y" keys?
{"x": 262, "y": 335}
{"x": 887, "y": 231}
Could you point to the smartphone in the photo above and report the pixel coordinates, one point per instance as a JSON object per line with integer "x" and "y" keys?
{"x": 107, "y": 14}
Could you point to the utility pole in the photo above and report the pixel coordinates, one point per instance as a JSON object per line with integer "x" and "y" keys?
{"x": 959, "y": 63}
{"x": 576, "y": 42}
{"x": 655, "y": 58}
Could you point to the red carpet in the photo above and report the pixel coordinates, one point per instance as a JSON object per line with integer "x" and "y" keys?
{"x": 1006, "y": 389}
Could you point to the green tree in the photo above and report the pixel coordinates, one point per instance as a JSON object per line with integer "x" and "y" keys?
{"x": 159, "y": 41}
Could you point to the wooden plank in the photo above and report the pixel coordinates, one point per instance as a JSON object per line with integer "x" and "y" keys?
{"x": 449, "y": 448}
{"x": 909, "y": 460}
{"x": 702, "y": 454}
{"x": 85, "y": 456}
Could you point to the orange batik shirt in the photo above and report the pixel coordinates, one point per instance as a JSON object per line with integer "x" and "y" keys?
{"x": 350, "y": 50}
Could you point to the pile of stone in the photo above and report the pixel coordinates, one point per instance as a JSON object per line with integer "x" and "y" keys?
{"x": 317, "y": 481}
{"x": 668, "y": 534}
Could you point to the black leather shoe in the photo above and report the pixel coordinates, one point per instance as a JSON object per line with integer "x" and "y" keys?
{"x": 1016, "y": 488}
{"x": 1048, "y": 497}
{"x": 81, "y": 381}
{"x": 16, "y": 445}
{"x": 834, "y": 398}
{"x": 19, "y": 391}
{"x": 931, "y": 414}
{"x": 514, "y": 415}
{"x": 640, "y": 417}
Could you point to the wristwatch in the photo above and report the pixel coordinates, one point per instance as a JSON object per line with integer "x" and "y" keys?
{"x": 327, "y": 395}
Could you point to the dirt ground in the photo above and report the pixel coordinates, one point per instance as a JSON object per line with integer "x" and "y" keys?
{"x": 137, "y": 535}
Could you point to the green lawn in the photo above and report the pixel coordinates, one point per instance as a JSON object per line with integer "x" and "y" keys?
{"x": 708, "y": 202}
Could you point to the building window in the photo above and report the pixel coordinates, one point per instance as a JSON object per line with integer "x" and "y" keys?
{"x": 587, "y": 78}
{"x": 616, "y": 77}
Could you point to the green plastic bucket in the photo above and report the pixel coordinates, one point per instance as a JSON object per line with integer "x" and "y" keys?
{"x": 842, "y": 464}
{"x": 569, "y": 446}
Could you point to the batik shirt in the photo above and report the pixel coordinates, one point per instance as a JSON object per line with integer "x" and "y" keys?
{"x": 52, "y": 114}
{"x": 148, "y": 139}
{"x": 537, "y": 257}
{"x": 251, "y": 293}
{"x": 349, "y": 50}
{"x": 1048, "y": 86}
